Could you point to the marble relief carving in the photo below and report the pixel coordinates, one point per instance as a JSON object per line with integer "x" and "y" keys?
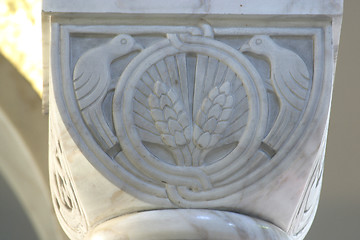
{"x": 188, "y": 117}
{"x": 306, "y": 212}
{"x": 181, "y": 122}
{"x": 91, "y": 85}
{"x": 67, "y": 207}
{"x": 193, "y": 116}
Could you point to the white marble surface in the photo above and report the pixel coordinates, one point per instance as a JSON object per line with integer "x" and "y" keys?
{"x": 186, "y": 225}
{"x": 161, "y": 113}
{"x": 255, "y": 7}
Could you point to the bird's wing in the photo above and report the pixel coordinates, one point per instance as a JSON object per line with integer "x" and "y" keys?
{"x": 100, "y": 129}
{"x": 91, "y": 80}
{"x": 292, "y": 80}
{"x": 282, "y": 128}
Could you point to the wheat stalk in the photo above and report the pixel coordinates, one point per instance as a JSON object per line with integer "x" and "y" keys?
{"x": 171, "y": 120}
{"x": 212, "y": 118}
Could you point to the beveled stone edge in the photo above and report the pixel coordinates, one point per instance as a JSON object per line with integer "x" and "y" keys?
{"x": 276, "y": 7}
{"x": 189, "y": 224}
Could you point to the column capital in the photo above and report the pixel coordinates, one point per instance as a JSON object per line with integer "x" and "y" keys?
{"x": 189, "y": 107}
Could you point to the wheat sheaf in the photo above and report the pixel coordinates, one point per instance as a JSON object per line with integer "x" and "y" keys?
{"x": 188, "y": 142}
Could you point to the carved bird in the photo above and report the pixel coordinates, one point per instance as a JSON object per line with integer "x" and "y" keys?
{"x": 91, "y": 83}
{"x": 290, "y": 81}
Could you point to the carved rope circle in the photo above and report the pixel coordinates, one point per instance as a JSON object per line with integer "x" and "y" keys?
{"x": 189, "y": 183}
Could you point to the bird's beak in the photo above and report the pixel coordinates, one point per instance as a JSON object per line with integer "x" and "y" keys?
{"x": 137, "y": 47}
{"x": 245, "y": 48}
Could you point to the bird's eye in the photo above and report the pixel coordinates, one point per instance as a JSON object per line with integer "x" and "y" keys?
{"x": 258, "y": 41}
{"x": 123, "y": 41}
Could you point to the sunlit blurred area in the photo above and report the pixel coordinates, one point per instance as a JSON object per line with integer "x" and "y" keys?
{"x": 20, "y": 38}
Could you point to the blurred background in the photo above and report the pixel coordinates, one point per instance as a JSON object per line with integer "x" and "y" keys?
{"x": 23, "y": 133}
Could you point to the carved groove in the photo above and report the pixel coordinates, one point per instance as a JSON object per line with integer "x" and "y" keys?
{"x": 68, "y": 209}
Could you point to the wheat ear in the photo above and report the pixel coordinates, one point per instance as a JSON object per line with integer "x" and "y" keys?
{"x": 171, "y": 120}
{"x": 213, "y": 117}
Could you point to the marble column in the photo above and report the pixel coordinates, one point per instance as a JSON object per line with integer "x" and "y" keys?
{"x": 188, "y": 119}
